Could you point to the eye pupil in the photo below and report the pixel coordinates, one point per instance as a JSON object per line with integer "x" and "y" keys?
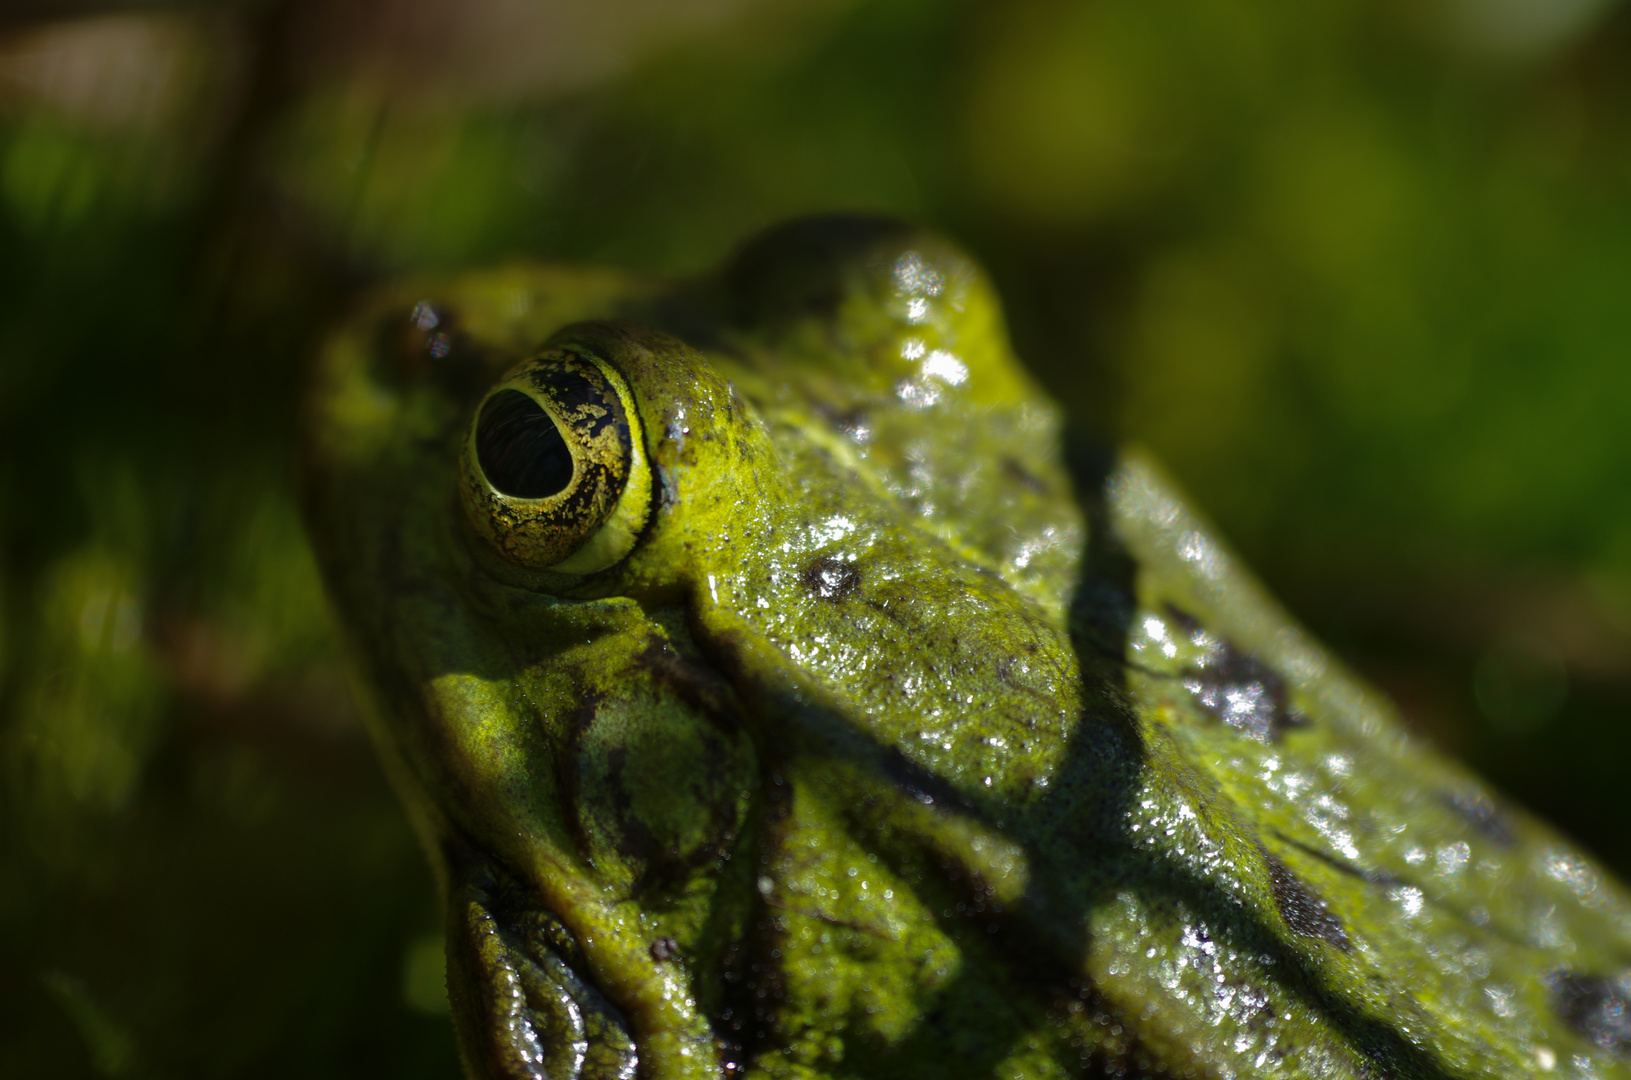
{"x": 520, "y": 449}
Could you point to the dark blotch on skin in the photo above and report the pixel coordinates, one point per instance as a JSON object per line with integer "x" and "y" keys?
{"x": 1374, "y": 877}
{"x": 1302, "y": 908}
{"x": 1023, "y": 477}
{"x": 695, "y": 684}
{"x": 1595, "y": 1006}
{"x": 1237, "y": 688}
{"x": 520, "y": 449}
{"x": 665, "y": 949}
{"x": 1188, "y": 623}
{"x": 1482, "y": 813}
{"x": 850, "y": 422}
{"x": 830, "y": 578}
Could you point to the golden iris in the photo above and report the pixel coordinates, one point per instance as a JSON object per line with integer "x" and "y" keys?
{"x": 554, "y": 470}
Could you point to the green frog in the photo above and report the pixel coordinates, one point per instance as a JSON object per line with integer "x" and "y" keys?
{"x": 780, "y": 692}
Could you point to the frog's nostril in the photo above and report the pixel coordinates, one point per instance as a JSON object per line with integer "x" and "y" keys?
{"x": 520, "y": 449}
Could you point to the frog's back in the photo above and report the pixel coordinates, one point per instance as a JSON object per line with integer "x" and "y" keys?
{"x": 1426, "y": 911}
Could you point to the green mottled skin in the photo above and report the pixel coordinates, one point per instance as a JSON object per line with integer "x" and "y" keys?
{"x": 883, "y": 753}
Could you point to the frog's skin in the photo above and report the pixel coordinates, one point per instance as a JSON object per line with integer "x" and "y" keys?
{"x": 899, "y": 741}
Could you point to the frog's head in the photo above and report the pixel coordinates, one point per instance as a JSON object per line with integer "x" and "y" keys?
{"x": 720, "y": 649}
{"x": 677, "y": 648}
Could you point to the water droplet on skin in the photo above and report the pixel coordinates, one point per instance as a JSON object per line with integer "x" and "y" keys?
{"x": 1451, "y": 858}
{"x": 944, "y": 366}
{"x": 915, "y": 277}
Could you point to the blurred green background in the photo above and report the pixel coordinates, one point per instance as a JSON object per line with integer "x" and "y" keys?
{"x": 1359, "y": 273}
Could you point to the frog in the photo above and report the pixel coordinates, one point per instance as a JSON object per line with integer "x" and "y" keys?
{"x": 782, "y": 687}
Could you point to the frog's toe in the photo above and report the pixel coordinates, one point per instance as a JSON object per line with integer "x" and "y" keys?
{"x": 522, "y": 1009}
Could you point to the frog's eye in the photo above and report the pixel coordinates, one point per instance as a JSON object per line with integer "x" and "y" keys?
{"x": 554, "y": 471}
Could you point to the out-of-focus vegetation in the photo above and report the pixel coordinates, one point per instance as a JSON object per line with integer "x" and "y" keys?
{"x": 1361, "y": 274}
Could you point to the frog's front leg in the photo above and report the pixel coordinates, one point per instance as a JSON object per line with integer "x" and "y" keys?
{"x": 524, "y": 1009}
